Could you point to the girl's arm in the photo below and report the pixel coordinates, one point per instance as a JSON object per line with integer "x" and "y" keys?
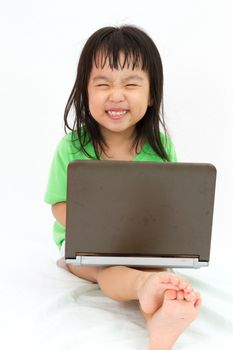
{"x": 59, "y": 212}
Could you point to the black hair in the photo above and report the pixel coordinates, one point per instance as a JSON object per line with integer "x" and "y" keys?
{"x": 138, "y": 49}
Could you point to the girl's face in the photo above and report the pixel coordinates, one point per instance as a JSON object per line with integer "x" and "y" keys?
{"x": 118, "y": 99}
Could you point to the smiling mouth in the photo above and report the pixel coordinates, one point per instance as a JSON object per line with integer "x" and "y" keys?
{"x": 116, "y": 114}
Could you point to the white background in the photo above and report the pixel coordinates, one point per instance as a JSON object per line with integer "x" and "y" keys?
{"x": 40, "y": 45}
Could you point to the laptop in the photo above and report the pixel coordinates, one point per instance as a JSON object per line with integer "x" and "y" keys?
{"x": 141, "y": 214}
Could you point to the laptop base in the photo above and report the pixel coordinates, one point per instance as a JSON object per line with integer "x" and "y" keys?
{"x": 149, "y": 262}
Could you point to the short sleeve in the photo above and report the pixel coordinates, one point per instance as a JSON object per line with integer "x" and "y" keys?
{"x": 57, "y": 181}
{"x": 172, "y": 152}
{"x": 169, "y": 147}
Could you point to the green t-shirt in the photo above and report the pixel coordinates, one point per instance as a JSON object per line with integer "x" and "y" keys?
{"x": 67, "y": 152}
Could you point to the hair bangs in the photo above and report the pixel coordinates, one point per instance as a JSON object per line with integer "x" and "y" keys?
{"x": 118, "y": 55}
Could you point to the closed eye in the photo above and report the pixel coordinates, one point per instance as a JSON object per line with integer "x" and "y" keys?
{"x": 102, "y": 85}
{"x": 131, "y": 85}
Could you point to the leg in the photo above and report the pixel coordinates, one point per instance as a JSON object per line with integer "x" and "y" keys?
{"x": 86, "y": 273}
{"x": 123, "y": 283}
{"x": 167, "y": 301}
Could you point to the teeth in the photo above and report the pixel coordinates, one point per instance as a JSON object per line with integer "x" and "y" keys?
{"x": 114, "y": 113}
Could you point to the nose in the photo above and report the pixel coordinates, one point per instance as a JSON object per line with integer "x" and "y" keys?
{"x": 116, "y": 95}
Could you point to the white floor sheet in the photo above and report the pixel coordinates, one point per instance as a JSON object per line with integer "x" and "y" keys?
{"x": 46, "y": 307}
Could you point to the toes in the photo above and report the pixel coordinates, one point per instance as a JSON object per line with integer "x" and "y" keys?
{"x": 164, "y": 277}
{"x": 169, "y": 281}
{"x": 172, "y": 281}
{"x": 175, "y": 280}
{"x": 170, "y": 294}
{"x": 188, "y": 289}
{"x": 194, "y": 298}
{"x": 180, "y": 295}
{"x": 185, "y": 286}
{"x": 182, "y": 284}
{"x": 190, "y": 296}
{"x": 197, "y": 303}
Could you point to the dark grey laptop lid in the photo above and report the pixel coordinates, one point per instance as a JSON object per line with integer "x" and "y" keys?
{"x": 125, "y": 208}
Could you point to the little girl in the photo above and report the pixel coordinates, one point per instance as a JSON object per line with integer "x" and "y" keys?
{"x": 117, "y": 100}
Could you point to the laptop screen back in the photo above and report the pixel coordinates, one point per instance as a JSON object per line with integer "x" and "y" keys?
{"x": 125, "y": 208}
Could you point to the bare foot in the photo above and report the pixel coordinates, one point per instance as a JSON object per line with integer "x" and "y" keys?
{"x": 152, "y": 288}
{"x": 174, "y": 316}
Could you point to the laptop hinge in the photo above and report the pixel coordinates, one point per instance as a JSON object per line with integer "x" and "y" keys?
{"x": 137, "y": 261}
